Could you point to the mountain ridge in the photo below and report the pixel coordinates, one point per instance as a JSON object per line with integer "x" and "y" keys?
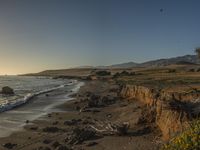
{"x": 186, "y": 59}
{"x": 180, "y": 60}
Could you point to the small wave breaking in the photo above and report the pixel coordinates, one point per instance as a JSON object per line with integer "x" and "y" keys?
{"x": 8, "y": 105}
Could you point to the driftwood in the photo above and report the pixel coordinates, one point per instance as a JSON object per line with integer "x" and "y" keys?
{"x": 109, "y": 128}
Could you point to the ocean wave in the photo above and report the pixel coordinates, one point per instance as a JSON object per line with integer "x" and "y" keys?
{"x": 8, "y": 105}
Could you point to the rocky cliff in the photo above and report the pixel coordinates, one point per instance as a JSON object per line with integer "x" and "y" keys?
{"x": 173, "y": 111}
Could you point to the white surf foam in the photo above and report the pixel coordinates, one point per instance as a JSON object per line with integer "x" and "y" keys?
{"x": 8, "y": 105}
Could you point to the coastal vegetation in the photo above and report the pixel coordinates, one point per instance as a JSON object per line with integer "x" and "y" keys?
{"x": 188, "y": 140}
{"x": 150, "y": 105}
{"x": 103, "y": 73}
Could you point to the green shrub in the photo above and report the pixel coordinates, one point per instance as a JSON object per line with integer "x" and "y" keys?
{"x": 123, "y": 73}
{"x": 192, "y": 70}
{"x": 188, "y": 140}
{"x": 116, "y": 75}
{"x": 171, "y": 70}
{"x": 103, "y": 73}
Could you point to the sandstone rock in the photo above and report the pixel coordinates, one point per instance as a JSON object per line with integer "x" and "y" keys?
{"x": 172, "y": 112}
{"x": 172, "y": 122}
{"x": 141, "y": 93}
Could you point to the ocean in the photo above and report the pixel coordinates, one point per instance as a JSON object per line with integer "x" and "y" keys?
{"x": 33, "y": 98}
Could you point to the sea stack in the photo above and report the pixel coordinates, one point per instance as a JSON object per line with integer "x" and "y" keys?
{"x": 7, "y": 90}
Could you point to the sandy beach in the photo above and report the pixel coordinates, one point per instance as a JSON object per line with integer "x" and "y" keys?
{"x": 57, "y": 130}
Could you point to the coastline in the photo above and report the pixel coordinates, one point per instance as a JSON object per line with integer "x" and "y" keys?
{"x": 38, "y": 105}
{"x": 57, "y": 127}
{"x": 19, "y": 100}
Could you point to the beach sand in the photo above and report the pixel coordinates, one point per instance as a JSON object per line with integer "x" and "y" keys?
{"x": 56, "y": 130}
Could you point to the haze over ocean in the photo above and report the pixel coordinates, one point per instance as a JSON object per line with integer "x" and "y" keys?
{"x": 36, "y": 35}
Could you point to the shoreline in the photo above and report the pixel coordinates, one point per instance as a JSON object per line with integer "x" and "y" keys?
{"x": 7, "y": 105}
{"x": 76, "y": 115}
{"x": 31, "y": 109}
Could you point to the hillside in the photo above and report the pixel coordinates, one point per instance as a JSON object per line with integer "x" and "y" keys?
{"x": 85, "y": 71}
{"x": 187, "y": 59}
{"x": 181, "y": 60}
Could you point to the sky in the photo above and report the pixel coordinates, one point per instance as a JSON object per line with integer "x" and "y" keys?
{"x": 37, "y": 35}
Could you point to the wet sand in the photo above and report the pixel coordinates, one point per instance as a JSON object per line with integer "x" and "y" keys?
{"x": 55, "y": 130}
{"x": 36, "y": 107}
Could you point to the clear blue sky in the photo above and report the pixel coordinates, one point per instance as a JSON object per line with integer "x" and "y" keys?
{"x": 49, "y": 34}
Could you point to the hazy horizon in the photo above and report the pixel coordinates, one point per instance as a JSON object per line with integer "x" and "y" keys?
{"x": 39, "y": 35}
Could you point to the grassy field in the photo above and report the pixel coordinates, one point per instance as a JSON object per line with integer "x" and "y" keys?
{"x": 173, "y": 78}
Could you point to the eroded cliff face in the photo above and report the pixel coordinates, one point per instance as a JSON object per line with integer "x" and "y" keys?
{"x": 173, "y": 111}
{"x": 141, "y": 93}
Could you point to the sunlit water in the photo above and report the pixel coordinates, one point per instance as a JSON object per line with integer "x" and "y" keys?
{"x": 25, "y": 88}
{"x": 40, "y": 104}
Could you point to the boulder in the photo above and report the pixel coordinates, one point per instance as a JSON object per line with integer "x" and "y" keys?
{"x": 7, "y": 90}
{"x": 62, "y": 147}
{"x": 92, "y": 144}
{"x": 56, "y": 144}
{"x": 72, "y": 122}
{"x": 43, "y": 148}
{"x": 80, "y": 135}
{"x": 51, "y": 129}
{"x": 122, "y": 129}
{"x": 100, "y": 101}
{"x": 9, "y": 145}
{"x": 47, "y": 141}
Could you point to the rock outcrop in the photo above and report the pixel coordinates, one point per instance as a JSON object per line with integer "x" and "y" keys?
{"x": 7, "y": 90}
{"x": 173, "y": 111}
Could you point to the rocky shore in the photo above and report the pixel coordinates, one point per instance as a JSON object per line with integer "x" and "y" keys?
{"x": 135, "y": 110}
{"x": 98, "y": 118}
{"x": 171, "y": 111}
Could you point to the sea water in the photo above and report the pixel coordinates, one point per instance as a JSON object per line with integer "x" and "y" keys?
{"x": 29, "y": 101}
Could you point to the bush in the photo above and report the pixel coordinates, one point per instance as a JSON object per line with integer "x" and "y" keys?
{"x": 116, "y": 75}
{"x": 192, "y": 70}
{"x": 171, "y": 70}
{"x": 103, "y": 73}
{"x": 188, "y": 140}
{"x": 123, "y": 73}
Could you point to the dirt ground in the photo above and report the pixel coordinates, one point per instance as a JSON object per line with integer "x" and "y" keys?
{"x": 140, "y": 136}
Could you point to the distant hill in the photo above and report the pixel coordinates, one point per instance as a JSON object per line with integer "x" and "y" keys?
{"x": 181, "y": 60}
{"x": 86, "y": 70}
{"x": 125, "y": 65}
{"x": 187, "y": 59}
